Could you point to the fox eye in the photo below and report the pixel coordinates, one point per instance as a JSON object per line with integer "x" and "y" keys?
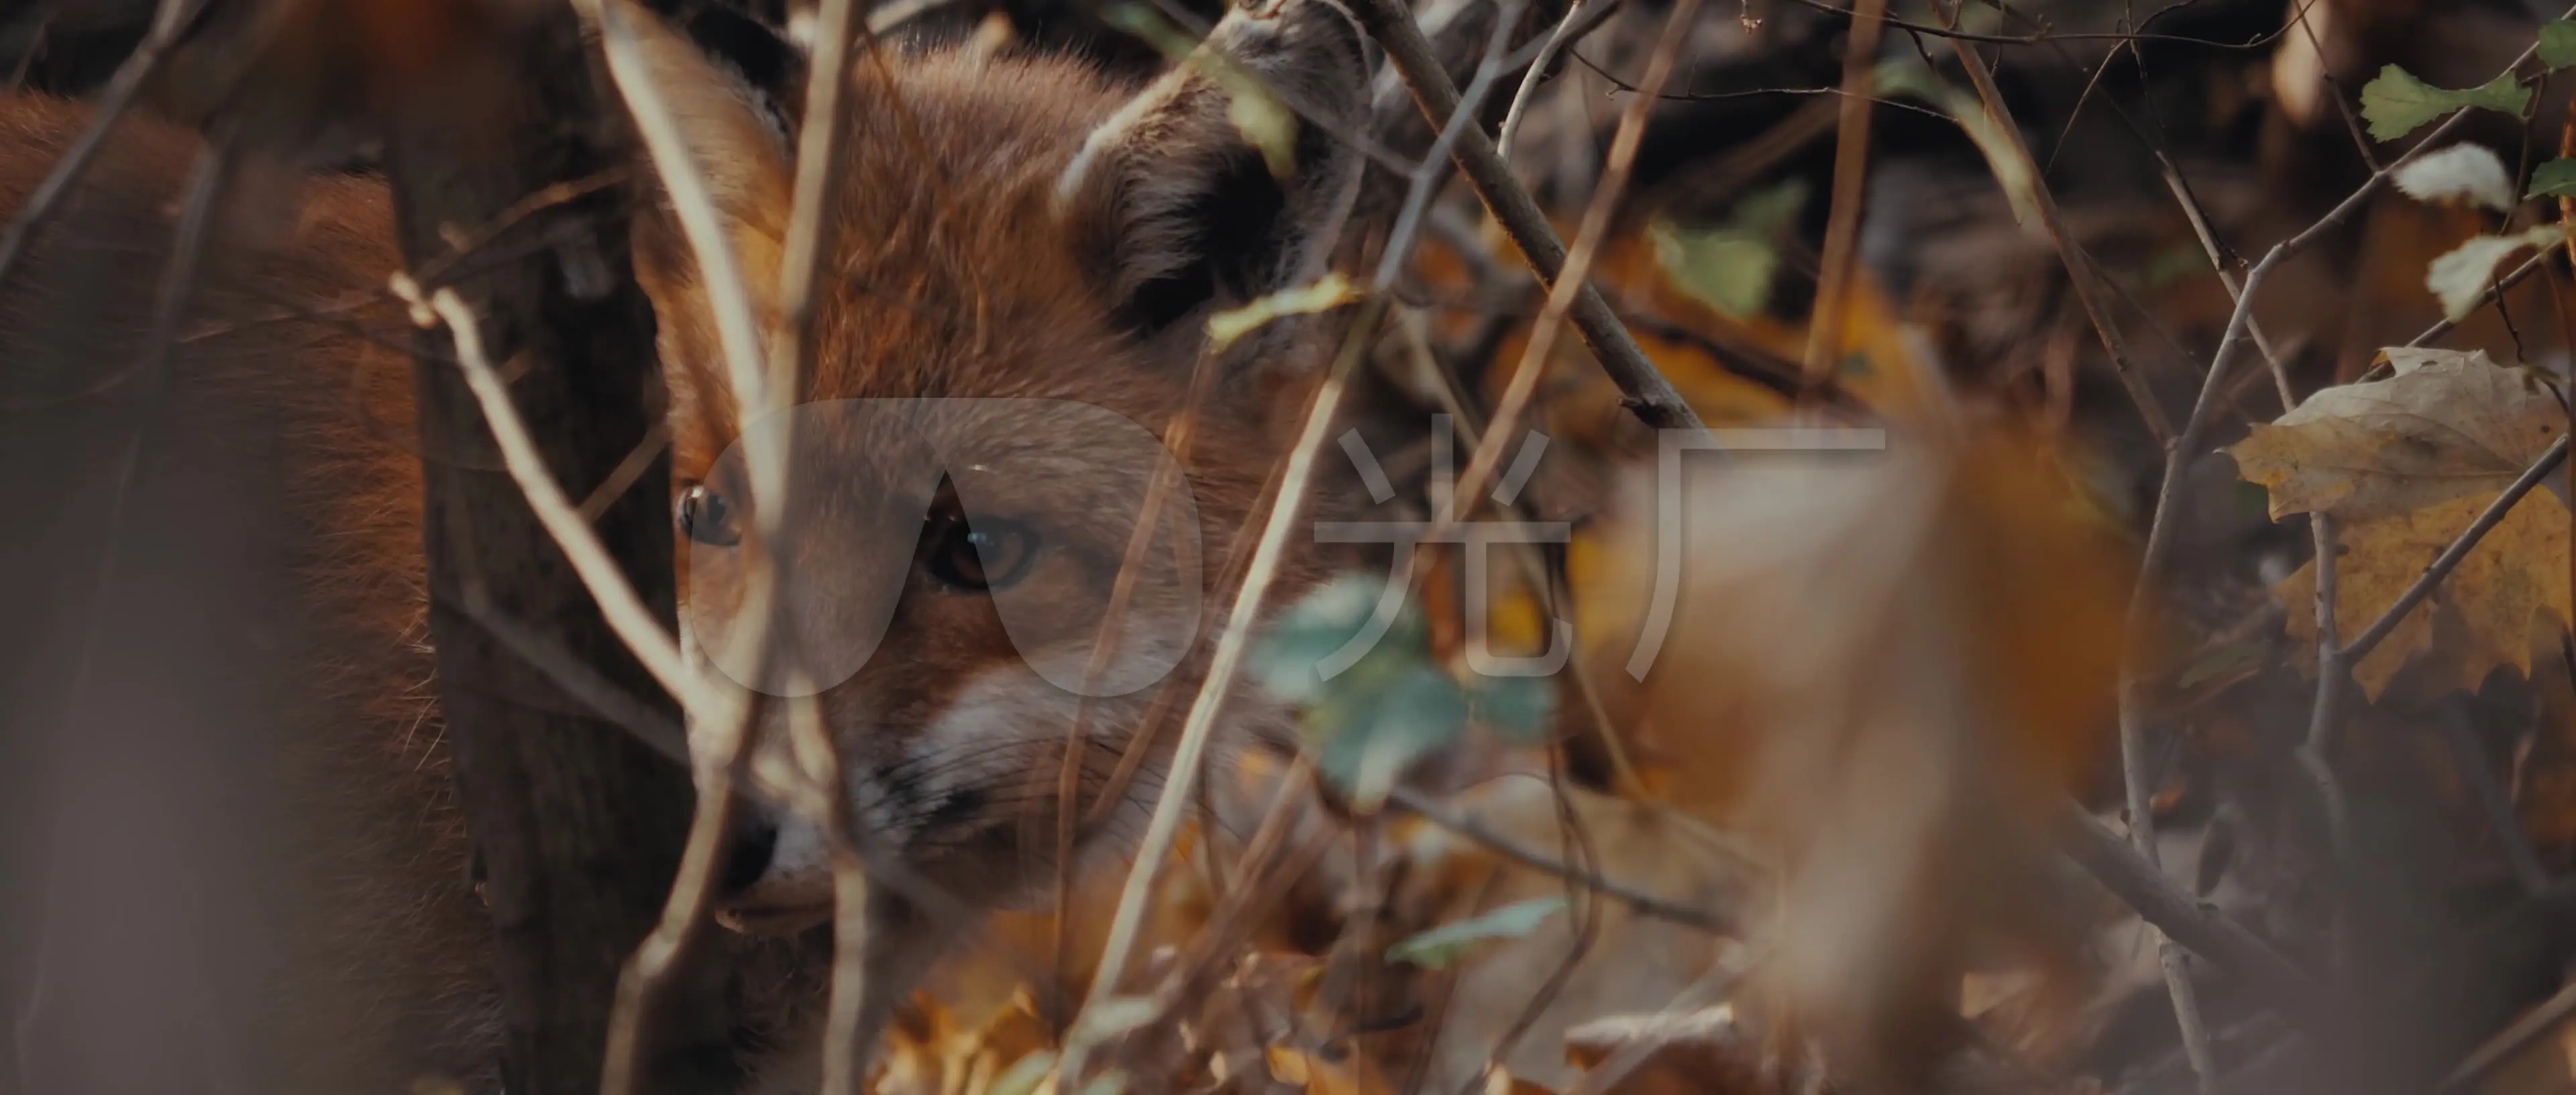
{"x": 983, "y": 554}
{"x": 705, "y": 517}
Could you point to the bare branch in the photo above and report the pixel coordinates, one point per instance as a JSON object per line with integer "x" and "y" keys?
{"x": 1581, "y": 18}
{"x": 618, "y": 602}
{"x": 1650, "y": 396}
{"x": 1849, "y": 199}
{"x": 2208, "y": 932}
{"x": 2523, "y": 1031}
{"x": 1571, "y": 288}
{"x": 1199, "y": 726}
{"x": 2079, "y": 274}
{"x": 1422, "y": 806}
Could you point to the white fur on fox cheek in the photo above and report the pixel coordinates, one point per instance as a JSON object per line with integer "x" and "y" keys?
{"x": 986, "y": 738}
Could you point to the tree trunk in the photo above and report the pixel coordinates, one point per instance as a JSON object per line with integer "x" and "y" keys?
{"x": 578, "y": 824}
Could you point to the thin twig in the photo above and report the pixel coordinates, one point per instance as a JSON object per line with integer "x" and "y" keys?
{"x": 1650, "y": 396}
{"x": 2209, "y": 933}
{"x": 1566, "y": 294}
{"x": 2523, "y": 1031}
{"x": 2444, "y": 326}
{"x": 579, "y": 679}
{"x": 2312, "y": 750}
{"x": 2079, "y": 275}
{"x": 1583, "y": 910}
{"x": 618, "y": 602}
{"x": 1179, "y": 439}
{"x": 1267, "y": 849}
{"x": 2476, "y": 770}
{"x": 1417, "y": 197}
{"x": 2311, "y": 753}
{"x": 1264, "y": 562}
{"x": 168, "y": 21}
{"x": 1579, "y": 17}
{"x": 758, "y": 392}
{"x": 1548, "y": 581}
{"x": 658, "y": 957}
{"x": 1199, "y": 726}
{"x": 737, "y": 324}
{"x": 2135, "y": 669}
{"x": 1422, "y": 806}
{"x": 463, "y": 246}
{"x": 802, "y": 266}
{"x": 2038, "y": 39}
{"x": 1707, "y": 989}
{"x": 1849, "y": 199}
{"x": 848, "y": 1027}
{"x": 2443, "y": 564}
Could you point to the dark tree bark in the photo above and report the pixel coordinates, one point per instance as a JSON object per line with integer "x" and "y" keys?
{"x": 578, "y": 824}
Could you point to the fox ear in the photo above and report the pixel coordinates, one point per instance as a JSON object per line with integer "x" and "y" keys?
{"x": 739, "y": 150}
{"x": 1232, "y": 175}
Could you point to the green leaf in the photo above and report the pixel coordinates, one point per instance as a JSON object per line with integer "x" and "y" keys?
{"x": 1728, "y": 270}
{"x": 1770, "y": 210}
{"x": 2005, "y": 157}
{"x": 2555, "y": 179}
{"x": 2558, "y": 44}
{"x": 2396, "y": 103}
{"x": 1442, "y": 947}
{"x": 1367, "y": 734}
{"x": 1395, "y": 702}
{"x": 2175, "y": 263}
{"x": 1517, "y": 709}
{"x": 1321, "y": 624}
{"x": 1731, "y": 268}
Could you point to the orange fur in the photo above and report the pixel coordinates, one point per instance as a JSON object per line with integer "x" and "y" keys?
{"x": 966, "y": 264}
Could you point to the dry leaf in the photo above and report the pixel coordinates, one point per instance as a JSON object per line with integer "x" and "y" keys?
{"x": 1883, "y": 664}
{"x": 2462, "y": 172}
{"x": 2405, "y": 465}
{"x": 2463, "y": 276}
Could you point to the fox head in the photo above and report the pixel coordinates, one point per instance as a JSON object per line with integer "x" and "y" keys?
{"x": 1010, "y": 319}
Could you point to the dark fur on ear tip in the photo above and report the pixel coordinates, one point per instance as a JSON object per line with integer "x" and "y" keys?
{"x": 1192, "y": 211}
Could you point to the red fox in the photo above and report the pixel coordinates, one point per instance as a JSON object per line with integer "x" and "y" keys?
{"x": 1009, "y": 228}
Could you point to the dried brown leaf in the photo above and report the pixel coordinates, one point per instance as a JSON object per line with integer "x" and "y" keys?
{"x": 2405, "y": 465}
{"x": 1885, "y": 665}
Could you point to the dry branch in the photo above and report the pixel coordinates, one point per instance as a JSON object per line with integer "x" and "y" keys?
{"x": 580, "y": 825}
{"x": 2209, "y": 933}
{"x": 1649, "y": 396}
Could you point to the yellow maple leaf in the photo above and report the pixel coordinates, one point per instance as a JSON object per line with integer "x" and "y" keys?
{"x": 2405, "y": 465}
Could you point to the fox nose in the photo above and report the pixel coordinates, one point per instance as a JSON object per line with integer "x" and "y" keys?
{"x": 747, "y": 857}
